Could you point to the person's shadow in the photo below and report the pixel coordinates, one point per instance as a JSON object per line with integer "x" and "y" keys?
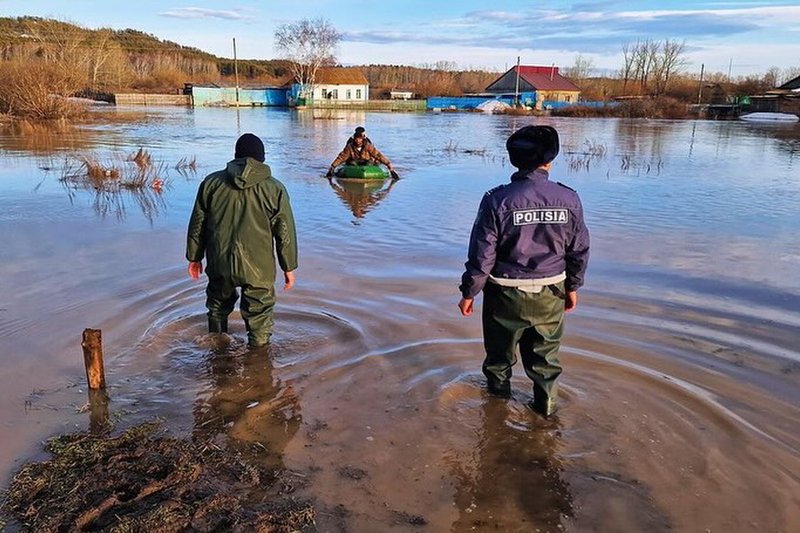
{"x": 361, "y": 195}
{"x": 516, "y": 481}
{"x": 246, "y": 407}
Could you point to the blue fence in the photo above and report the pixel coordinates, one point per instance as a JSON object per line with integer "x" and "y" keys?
{"x": 552, "y": 104}
{"x": 473, "y": 101}
{"x": 222, "y": 96}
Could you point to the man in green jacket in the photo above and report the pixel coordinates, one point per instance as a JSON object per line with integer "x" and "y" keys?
{"x": 241, "y": 220}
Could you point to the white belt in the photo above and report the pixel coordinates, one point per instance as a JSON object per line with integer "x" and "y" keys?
{"x": 529, "y": 285}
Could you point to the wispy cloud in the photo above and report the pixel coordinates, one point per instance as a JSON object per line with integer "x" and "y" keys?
{"x": 595, "y": 27}
{"x": 204, "y": 13}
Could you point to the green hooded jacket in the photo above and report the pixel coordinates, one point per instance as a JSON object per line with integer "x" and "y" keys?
{"x": 241, "y": 219}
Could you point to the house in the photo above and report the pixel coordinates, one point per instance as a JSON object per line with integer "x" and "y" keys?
{"x": 791, "y": 85}
{"x": 545, "y": 83}
{"x": 398, "y": 94}
{"x": 341, "y": 84}
{"x": 784, "y": 99}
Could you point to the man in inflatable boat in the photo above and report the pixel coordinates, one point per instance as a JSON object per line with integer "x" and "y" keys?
{"x": 359, "y": 150}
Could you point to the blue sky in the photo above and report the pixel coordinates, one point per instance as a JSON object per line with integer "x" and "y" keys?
{"x": 754, "y": 34}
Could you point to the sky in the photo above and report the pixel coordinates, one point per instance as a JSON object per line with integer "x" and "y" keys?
{"x": 745, "y": 36}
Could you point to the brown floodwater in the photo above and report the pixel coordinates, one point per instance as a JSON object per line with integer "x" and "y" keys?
{"x": 680, "y": 398}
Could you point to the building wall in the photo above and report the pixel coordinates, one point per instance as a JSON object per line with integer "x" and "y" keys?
{"x": 348, "y": 93}
{"x": 222, "y": 96}
{"x": 560, "y": 96}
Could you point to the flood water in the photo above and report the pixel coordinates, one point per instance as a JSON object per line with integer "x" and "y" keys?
{"x": 680, "y": 397}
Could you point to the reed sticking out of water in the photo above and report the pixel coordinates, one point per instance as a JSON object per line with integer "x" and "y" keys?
{"x": 135, "y": 171}
{"x": 187, "y": 163}
{"x": 591, "y": 152}
{"x": 628, "y": 163}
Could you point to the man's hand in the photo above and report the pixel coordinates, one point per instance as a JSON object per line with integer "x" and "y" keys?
{"x": 195, "y": 269}
{"x": 288, "y": 280}
{"x": 571, "y": 301}
{"x": 466, "y": 306}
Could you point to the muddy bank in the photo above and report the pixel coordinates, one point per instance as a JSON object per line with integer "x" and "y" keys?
{"x": 143, "y": 480}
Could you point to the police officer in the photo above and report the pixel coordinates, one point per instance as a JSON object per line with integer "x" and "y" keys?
{"x": 528, "y": 253}
{"x": 241, "y": 220}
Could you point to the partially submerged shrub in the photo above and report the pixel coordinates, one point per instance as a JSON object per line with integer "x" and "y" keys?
{"x": 38, "y": 90}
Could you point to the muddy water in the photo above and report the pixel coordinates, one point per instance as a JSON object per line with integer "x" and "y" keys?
{"x": 680, "y": 394}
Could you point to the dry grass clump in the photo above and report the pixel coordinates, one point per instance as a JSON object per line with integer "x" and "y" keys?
{"x": 135, "y": 171}
{"x": 658, "y": 107}
{"x": 37, "y": 90}
{"x": 143, "y": 480}
{"x": 582, "y": 158}
{"x": 582, "y": 111}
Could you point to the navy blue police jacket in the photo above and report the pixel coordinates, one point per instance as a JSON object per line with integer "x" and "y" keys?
{"x": 530, "y": 228}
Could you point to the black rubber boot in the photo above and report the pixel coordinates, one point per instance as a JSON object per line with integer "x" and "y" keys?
{"x": 501, "y": 390}
{"x": 216, "y": 325}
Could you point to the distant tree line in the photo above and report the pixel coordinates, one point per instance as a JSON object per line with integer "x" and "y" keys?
{"x": 43, "y": 57}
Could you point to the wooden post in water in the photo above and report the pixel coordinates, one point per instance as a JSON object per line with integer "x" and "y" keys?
{"x": 93, "y": 358}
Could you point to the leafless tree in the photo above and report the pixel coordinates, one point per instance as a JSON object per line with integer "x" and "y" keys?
{"x": 627, "y": 64}
{"x": 773, "y": 77}
{"x": 308, "y": 44}
{"x": 581, "y": 69}
{"x": 669, "y": 62}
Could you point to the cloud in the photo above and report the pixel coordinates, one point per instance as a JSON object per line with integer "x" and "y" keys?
{"x": 203, "y": 13}
{"x": 590, "y": 27}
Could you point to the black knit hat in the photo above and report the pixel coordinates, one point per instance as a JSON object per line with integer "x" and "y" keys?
{"x": 360, "y": 132}
{"x": 248, "y": 145}
{"x": 532, "y": 146}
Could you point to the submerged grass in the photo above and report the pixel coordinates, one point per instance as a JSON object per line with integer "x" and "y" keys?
{"x": 135, "y": 171}
{"x": 143, "y": 480}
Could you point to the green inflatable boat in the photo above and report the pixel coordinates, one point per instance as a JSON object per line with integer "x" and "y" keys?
{"x": 361, "y": 172}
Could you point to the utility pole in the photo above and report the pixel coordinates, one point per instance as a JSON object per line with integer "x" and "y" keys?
{"x": 236, "y": 71}
{"x": 700, "y": 92}
{"x": 516, "y": 88}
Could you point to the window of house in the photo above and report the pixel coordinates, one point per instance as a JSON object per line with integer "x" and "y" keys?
{"x": 358, "y": 94}
{"x": 349, "y": 95}
{"x": 335, "y": 94}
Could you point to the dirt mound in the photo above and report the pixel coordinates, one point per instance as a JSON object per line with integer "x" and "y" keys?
{"x": 142, "y": 480}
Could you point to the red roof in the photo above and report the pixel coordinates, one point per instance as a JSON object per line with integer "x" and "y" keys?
{"x": 546, "y": 78}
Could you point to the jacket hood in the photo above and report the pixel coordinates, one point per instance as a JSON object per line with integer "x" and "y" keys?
{"x": 245, "y": 172}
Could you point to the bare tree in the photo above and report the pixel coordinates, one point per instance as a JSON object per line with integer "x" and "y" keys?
{"x": 669, "y": 63}
{"x": 581, "y": 69}
{"x": 308, "y": 44}
{"x": 773, "y": 77}
{"x": 627, "y": 65}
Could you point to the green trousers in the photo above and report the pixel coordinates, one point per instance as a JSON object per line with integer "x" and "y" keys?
{"x": 256, "y": 305}
{"x": 534, "y": 322}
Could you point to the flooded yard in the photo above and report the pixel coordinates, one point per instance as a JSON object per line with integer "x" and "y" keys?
{"x": 681, "y": 387}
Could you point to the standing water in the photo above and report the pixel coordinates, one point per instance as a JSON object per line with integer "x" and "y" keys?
{"x": 680, "y": 393}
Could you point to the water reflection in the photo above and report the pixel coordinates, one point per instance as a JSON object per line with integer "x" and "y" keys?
{"x": 25, "y": 139}
{"x": 517, "y": 484}
{"x": 246, "y": 403}
{"x": 115, "y": 202}
{"x": 361, "y": 196}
